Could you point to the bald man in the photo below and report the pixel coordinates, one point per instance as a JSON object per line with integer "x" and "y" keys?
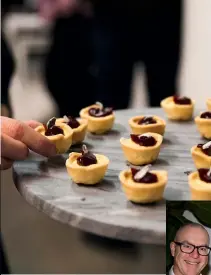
{"x": 190, "y": 250}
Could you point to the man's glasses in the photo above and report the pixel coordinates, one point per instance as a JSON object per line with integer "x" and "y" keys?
{"x": 189, "y": 248}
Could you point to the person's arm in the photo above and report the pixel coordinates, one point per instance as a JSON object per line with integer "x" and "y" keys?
{"x": 18, "y": 137}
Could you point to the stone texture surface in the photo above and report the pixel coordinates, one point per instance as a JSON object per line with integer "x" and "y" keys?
{"x": 103, "y": 209}
{"x": 37, "y": 244}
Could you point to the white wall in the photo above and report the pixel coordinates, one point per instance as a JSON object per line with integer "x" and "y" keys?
{"x": 195, "y": 71}
{"x": 195, "y": 76}
{"x": 190, "y": 216}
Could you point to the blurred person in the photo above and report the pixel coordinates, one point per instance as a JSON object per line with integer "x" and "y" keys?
{"x": 16, "y": 139}
{"x": 8, "y": 67}
{"x": 67, "y": 69}
{"x": 122, "y": 33}
{"x": 190, "y": 250}
{"x": 129, "y": 31}
{"x": 7, "y": 64}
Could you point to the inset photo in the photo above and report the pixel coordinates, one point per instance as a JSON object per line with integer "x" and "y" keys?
{"x": 188, "y": 234}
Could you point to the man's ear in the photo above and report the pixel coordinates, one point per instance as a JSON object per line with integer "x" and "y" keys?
{"x": 172, "y": 247}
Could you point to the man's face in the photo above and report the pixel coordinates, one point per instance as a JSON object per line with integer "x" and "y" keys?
{"x": 192, "y": 263}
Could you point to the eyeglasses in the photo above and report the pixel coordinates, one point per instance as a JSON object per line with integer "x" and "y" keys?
{"x": 189, "y": 248}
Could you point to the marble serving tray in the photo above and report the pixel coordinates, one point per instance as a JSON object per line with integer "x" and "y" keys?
{"x": 104, "y": 209}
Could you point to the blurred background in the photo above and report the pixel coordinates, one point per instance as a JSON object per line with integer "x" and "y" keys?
{"x": 124, "y": 55}
{"x": 30, "y": 38}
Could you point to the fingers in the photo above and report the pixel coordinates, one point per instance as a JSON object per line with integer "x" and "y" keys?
{"x": 32, "y": 123}
{"x": 13, "y": 149}
{"x": 5, "y": 163}
{"x": 32, "y": 139}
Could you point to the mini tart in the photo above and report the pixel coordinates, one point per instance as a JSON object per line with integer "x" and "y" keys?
{"x": 79, "y": 133}
{"x": 143, "y": 192}
{"x": 89, "y": 175}
{"x": 62, "y": 142}
{"x": 199, "y": 189}
{"x": 97, "y": 125}
{"x": 204, "y": 126}
{"x": 177, "y": 111}
{"x": 209, "y": 104}
{"x": 139, "y": 129}
{"x": 200, "y": 159}
{"x": 140, "y": 155}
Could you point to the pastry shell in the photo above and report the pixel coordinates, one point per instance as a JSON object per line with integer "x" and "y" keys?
{"x": 140, "y": 155}
{"x": 199, "y": 189}
{"x": 62, "y": 142}
{"x": 177, "y": 111}
{"x": 137, "y": 129}
{"x": 97, "y": 125}
{"x": 204, "y": 126}
{"x": 79, "y": 133}
{"x": 143, "y": 192}
{"x": 89, "y": 175}
{"x": 209, "y": 104}
{"x": 200, "y": 159}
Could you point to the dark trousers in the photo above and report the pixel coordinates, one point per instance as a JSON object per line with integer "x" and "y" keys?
{"x": 6, "y": 72}
{"x": 110, "y": 44}
{"x": 67, "y": 70}
{"x": 150, "y": 35}
{"x": 4, "y": 266}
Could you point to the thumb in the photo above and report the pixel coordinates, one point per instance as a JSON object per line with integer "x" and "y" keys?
{"x": 32, "y": 123}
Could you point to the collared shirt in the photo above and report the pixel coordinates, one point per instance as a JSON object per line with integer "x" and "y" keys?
{"x": 171, "y": 272}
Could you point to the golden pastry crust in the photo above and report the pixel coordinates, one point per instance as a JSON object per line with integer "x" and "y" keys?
{"x": 79, "y": 133}
{"x": 200, "y": 159}
{"x": 177, "y": 111}
{"x": 89, "y": 175}
{"x": 62, "y": 142}
{"x": 209, "y": 104}
{"x": 143, "y": 192}
{"x": 97, "y": 125}
{"x": 140, "y": 155}
{"x": 199, "y": 189}
{"x": 138, "y": 129}
{"x": 204, "y": 126}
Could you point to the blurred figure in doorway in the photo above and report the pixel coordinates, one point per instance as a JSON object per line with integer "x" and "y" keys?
{"x": 129, "y": 31}
{"x": 67, "y": 69}
{"x": 118, "y": 34}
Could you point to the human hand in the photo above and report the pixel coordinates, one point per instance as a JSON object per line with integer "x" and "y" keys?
{"x": 18, "y": 137}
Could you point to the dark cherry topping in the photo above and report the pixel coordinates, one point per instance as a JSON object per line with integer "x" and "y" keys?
{"x": 147, "y": 120}
{"x": 205, "y": 175}
{"x": 100, "y": 111}
{"x": 206, "y": 115}
{"x": 143, "y": 140}
{"x": 87, "y": 158}
{"x": 51, "y": 129}
{"x": 182, "y": 100}
{"x": 147, "y": 178}
{"x": 97, "y": 112}
{"x": 72, "y": 122}
{"x": 54, "y": 130}
{"x": 207, "y": 150}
